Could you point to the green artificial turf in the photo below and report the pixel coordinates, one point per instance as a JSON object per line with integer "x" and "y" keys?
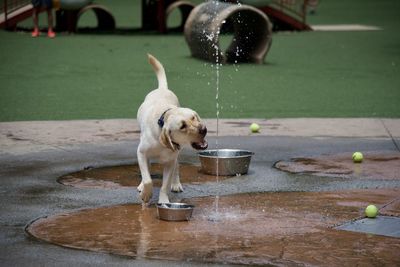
{"x": 306, "y": 74}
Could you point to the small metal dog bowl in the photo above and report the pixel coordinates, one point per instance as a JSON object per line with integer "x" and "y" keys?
{"x": 230, "y": 161}
{"x": 174, "y": 211}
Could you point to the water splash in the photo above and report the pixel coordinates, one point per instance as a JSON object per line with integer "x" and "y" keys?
{"x": 227, "y": 214}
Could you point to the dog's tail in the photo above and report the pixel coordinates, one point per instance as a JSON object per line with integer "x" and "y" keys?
{"x": 160, "y": 72}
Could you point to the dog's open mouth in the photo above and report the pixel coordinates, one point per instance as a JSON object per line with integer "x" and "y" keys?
{"x": 200, "y": 145}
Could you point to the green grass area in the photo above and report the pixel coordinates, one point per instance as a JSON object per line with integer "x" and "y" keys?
{"x": 306, "y": 74}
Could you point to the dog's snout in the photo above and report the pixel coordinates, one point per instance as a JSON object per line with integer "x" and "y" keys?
{"x": 203, "y": 130}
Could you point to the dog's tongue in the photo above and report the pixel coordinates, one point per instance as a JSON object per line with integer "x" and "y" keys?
{"x": 200, "y": 146}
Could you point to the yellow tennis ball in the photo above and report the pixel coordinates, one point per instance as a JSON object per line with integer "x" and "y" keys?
{"x": 371, "y": 211}
{"x": 357, "y": 157}
{"x": 254, "y": 127}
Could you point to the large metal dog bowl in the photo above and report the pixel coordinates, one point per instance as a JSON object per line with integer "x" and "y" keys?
{"x": 174, "y": 211}
{"x": 230, "y": 161}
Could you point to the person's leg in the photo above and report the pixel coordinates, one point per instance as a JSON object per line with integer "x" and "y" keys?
{"x": 35, "y": 32}
{"x": 50, "y": 32}
{"x": 312, "y": 5}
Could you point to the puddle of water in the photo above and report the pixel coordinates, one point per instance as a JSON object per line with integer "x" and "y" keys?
{"x": 255, "y": 229}
{"x": 376, "y": 164}
{"x": 129, "y": 176}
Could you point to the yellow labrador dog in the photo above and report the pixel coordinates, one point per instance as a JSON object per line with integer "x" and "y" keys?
{"x": 164, "y": 129}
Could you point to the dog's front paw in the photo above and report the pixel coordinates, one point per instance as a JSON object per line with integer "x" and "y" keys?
{"x": 163, "y": 198}
{"x": 176, "y": 187}
{"x": 146, "y": 191}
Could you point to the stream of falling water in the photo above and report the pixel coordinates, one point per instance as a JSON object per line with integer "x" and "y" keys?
{"x": 213, "y": 37}
{"x": 217, "y": 68}
{"x": 218, "y": 65}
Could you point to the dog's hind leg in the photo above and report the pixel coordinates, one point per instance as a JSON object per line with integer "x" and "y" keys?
{"x": 146, "y": 186}
{"x": 176, "y": 185}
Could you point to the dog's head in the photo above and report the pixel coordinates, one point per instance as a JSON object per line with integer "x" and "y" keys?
{"x": 183, "y": 126}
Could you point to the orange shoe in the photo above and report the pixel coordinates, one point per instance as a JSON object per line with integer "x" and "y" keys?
{"x": 35, "y": 33}
{"x": 51, "y": 34}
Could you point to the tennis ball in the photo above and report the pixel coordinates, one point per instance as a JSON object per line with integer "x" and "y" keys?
{"x": 371, "y": 211}
{"x": 357, "y": 157}
{"x": 254, "y": 127}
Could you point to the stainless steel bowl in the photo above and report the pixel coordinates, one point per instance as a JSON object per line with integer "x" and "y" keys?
{"x": 174, "y": 211}
{"x": 230, "y": 161}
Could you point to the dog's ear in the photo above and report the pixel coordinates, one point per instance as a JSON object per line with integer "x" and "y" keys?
{"x": 165, "y": 140}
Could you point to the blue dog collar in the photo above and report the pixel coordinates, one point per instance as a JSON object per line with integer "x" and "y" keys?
{"x": 161, "y": 119}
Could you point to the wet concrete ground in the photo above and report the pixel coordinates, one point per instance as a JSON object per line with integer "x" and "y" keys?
{"x": 30, "y": 191}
